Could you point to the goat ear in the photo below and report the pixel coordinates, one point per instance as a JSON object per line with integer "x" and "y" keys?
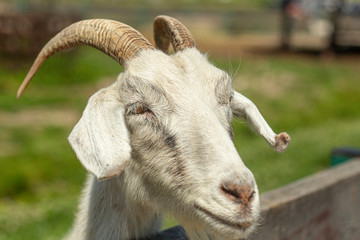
{"x": 100, "y": 139}
{"x": 244, "y": 108}
{"x": 240, "y": 105}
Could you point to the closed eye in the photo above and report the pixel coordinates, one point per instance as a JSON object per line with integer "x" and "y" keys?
{"x": 139, "y": 108}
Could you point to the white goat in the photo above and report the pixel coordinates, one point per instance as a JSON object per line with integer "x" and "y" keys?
{"x": 160, "y": 138}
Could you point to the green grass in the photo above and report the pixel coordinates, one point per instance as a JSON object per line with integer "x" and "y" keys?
{"x": 316, "y": 102}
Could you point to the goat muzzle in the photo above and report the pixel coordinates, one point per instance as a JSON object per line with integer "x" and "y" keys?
{"x": 240, "y": 194}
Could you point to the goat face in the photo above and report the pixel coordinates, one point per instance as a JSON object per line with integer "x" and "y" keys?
{"x": 167, "y": 124}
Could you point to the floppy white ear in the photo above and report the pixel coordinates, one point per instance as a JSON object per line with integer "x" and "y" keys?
{"x": 100, "y": 139}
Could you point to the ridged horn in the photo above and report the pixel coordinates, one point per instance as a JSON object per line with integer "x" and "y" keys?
{"x": 113, "y": 38}
{"x": 168, "y": 29}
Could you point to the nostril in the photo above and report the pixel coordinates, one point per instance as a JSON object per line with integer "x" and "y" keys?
{"x": 231, "y": 190}
{"x": 242, "y": 194}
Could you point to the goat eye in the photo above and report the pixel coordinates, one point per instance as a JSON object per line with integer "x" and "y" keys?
{"x": 141, "y": 109}
{"x": 138, "y": 109}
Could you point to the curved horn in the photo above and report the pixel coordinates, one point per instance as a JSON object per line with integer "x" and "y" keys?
{"x": 116, "y": 39}
{"x": 168, "y": 29}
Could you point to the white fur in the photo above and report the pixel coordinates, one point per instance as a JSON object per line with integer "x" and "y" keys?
{"x": 173, "y": 159}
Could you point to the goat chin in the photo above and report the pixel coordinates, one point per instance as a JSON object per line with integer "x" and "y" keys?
{"x": 197, "y": 230}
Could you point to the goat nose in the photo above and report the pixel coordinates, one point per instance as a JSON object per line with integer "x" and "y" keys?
{"x": 242, "y": 194}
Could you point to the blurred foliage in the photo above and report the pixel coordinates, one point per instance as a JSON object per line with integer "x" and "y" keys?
{"x": 315, "y": 101}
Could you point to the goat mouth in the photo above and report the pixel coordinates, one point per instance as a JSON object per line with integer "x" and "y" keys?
{"x": 239, "y": 226}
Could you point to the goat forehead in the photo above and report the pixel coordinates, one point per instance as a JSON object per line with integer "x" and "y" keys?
{"x": 185, "y": 74}
{"x": 197, "y": 66}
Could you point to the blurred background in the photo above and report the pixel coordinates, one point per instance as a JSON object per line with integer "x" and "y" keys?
{"x": 298, "y": 61}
